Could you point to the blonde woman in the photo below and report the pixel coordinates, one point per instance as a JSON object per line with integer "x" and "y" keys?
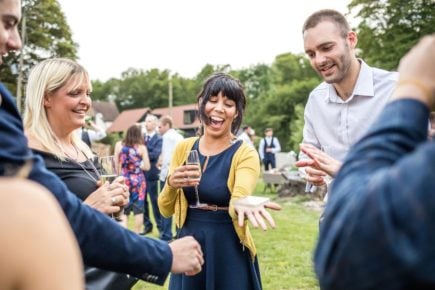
{"x": 57, "y": 100}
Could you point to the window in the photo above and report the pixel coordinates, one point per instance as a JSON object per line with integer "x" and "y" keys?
{"x": 189, "y": 116}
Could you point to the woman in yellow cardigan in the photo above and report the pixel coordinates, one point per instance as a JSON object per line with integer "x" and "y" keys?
{"x": 229, "y": 171}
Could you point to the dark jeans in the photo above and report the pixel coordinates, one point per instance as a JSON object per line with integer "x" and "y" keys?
{"x": 269, "y": 163}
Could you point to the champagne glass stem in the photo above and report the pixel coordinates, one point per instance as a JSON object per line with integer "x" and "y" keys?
{"x": 197, "y": 196}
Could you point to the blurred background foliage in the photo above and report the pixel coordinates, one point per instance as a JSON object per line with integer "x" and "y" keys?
{"x": 276, "y": 93}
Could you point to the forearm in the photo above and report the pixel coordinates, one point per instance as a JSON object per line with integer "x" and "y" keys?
{"x": 246, "y": 177}
{"x": 376, "y": 199}
{"x": 93, "y": 229}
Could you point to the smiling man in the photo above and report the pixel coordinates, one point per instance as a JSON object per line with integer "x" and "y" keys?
{"x": 341, "y": 108}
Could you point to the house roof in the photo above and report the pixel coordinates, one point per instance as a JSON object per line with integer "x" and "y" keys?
{"x": 177, "y": 114}
{"x": 127, "y": 118}
{"x": 109, "y": 110}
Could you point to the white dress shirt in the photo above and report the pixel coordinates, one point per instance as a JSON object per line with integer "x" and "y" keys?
{"x": 269, "y": 141}
{"x": 169, "y": 141}
{"x": 334, "y": 125}
{"x": 245, "y": 137}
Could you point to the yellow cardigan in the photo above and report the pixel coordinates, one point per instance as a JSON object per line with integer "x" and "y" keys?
{"x": 242, "y": 179}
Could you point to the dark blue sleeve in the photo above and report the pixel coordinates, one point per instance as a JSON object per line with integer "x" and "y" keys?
{"x": 378, "y": 231}
{"x": 103, "y": 243}
{"x": 155, "y": 149}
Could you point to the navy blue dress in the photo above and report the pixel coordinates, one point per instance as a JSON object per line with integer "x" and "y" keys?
{"x": 227, "y": 264}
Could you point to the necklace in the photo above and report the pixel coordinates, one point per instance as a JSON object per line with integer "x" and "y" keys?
{"x": 88, "y": 160}
{"x": 94, "y": 169}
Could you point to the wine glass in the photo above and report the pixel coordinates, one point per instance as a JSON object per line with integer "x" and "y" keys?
{"x": 109, "y": 171}
{"x": 193, "y": 159}
{"x": 108, "y": 168}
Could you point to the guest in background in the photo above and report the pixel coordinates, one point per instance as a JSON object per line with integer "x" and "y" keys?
{"x": 268, "y": 148}
{"x": 91, "y": 132}
{"x": 246, "y": 134}
{"x": 153, "y": 142}
{"x": 132, "y": 157}
{"x": 170, "y": 140}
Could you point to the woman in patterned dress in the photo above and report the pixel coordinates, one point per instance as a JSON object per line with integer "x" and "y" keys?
{"x": 132, "y": 157}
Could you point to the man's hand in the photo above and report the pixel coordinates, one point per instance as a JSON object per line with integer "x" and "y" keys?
{"x": 187, "y": 256}
{"x": 320, "y": 164}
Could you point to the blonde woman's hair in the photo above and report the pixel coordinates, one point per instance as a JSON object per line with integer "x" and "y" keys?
{"x": 46, "y": 78}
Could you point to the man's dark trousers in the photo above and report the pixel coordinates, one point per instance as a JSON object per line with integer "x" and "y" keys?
{"x": 154, "y": 146}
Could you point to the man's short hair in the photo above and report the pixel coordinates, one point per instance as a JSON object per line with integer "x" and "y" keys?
{"x": 327, "y": 15}
{"x": 166, "y": 120}
{"x": 268, "y": 130}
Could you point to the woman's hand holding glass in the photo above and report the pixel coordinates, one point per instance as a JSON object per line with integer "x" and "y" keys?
{"x": 109, "y": 198}
{"x": 185, "y": 176}
{"x": 110, "y": 173}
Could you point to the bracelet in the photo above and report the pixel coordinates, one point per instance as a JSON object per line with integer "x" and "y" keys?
{"x": 420, "y": 85}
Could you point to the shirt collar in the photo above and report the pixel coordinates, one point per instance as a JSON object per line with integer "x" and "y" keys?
{"x": 363, "y": 85}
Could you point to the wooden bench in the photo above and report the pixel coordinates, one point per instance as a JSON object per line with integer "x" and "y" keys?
{"x": 272, "y": 180}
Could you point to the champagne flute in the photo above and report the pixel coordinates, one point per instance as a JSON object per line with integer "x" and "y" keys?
{"x": 109, "y": 171}
{"x": 193, "y": 159}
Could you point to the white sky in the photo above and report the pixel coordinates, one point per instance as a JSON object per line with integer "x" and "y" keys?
{"x": 185, "y": 35}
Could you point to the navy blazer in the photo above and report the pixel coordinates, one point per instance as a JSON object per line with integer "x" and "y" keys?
{"x": 102, "y": 241}
{"x": 154, "y": 146}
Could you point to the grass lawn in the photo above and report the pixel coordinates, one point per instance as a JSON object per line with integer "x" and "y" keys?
{"x": 285, "y": 253}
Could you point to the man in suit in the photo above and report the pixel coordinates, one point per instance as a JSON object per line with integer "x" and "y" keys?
{"x": 153, "y": 141}
{"x": 123, "y": 250}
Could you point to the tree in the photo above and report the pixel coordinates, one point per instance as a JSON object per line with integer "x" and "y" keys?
{"x": 47, "y": 35}
{"x": 389, "y": 28}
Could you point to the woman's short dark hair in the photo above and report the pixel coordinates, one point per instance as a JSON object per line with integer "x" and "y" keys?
{"x": 231, "y": 88}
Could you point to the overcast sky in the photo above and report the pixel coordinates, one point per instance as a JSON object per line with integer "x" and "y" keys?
{"x": 185, "y": 35}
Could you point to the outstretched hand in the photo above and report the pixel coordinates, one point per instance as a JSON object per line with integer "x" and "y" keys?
{"x": 256, "y": 215}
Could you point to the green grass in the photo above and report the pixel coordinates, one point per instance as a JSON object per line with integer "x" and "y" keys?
{"x": 285, "y": 253}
